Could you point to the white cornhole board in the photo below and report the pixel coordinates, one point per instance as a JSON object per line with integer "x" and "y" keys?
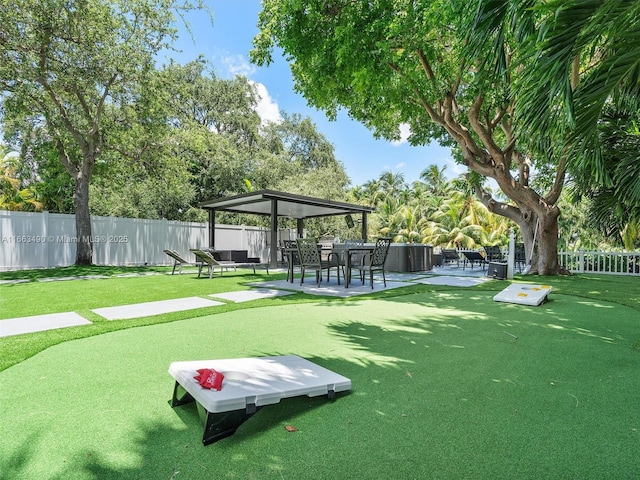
{"x": 524, "y": 294}
{"x": 249, "y": 383}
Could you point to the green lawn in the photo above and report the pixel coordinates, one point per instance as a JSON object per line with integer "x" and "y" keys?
{"x": 446, "y": 383}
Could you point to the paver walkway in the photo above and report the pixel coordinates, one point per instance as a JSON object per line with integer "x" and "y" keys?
{"x": 438, "y": 276}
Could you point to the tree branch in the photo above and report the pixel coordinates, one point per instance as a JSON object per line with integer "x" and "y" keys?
{"x": 494, "y": 206}
{"x": 435, "y": 116}
{"x": 485, "y": 136}
{"x": 558, "y": 183}
{"x": 102, "y": 101}
{"x": 425, "y": 65}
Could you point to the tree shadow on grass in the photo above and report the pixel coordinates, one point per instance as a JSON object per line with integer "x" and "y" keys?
{"x": 14, "y": 464}
{"x": 447, "y": 369}
{"x": 166, "y": 452}
{"x": 79, "y": 271}
{"x": 560, "y": 313}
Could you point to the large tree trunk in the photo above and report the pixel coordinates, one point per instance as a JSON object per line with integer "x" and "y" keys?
{"x": 538, "y": 225}
{"x": 545, "y": 249}
{"x": 84, "y": 244}
{"x": 81, "y": 173}
{"x": 540, "y": 238}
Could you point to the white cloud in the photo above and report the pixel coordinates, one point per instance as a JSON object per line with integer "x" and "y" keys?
{"x": 457, "y": 168}
{"x": 405, "y": 131}
{"x": 238, "y": 65}
{"x": 267, "y": 108}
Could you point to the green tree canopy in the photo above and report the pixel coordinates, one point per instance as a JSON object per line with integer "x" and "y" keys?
{"x": 584, "y": 78}
{"x": 63, "y": 63}
{"x": 394, "y": 63}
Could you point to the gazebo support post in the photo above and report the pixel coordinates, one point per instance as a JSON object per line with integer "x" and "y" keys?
{"x": 273, "y": 261}
{"x": 364, "y": 227}
{"x": 212, "y": 228}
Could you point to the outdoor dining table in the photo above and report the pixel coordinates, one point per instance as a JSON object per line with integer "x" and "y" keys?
{"x": 347, "y": 251}
{"x": 340, "y": 249}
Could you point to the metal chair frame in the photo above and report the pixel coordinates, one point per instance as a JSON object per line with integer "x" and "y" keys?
{"x": 309, "y": 256}
{"x": 374, "y": 261}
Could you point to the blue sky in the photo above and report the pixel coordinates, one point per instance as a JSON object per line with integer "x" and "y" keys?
{"x": 226, "y": 43}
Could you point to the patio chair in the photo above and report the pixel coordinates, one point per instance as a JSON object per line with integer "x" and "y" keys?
{"x": 473, "y": 257}
{"x": 493, "y": 254}
{"x": 374, "y": 261}
{"x": 450, "y": 255}
{"x": 326, "y": 248}
{"x": 291, "y": 257}
{"x": 355, "y": 256}
{"x": 520, "y": 257}
{"x": 309, "y": 255}
{"x": 178, "y": 261}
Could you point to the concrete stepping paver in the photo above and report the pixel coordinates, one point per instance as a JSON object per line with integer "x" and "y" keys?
{"x": 253, "y": 294}
{"x": 39, "y": 323}
{"x": 454, "y": 281}
{"x": 147, "y": 309}
{"x": 82, "y": 277}
{"x": 36, "y": 323}
{"x": 10, "y": 282}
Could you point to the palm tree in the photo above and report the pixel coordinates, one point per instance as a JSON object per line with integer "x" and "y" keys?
{"x": 370, "y": 192}
{"x": 586, "y": 57}
{"x": 435, "y": 179}
{"x": 450, "y": 226}
{"x": 12, "y": 196}
{"x": 631, "y": 235}
{"x": 389, "y": 218}
{"x": 589, "y": 54}
{"x": 409, "y": 231}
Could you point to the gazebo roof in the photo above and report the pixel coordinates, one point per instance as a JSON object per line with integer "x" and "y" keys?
{"x": 288, "y": 205}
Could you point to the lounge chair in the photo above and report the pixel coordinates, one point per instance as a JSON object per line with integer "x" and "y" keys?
{"x": 374, "y": 261}
{"x": 178, "y": 261}
{"x": 473, "y": 257}
{"x": 208, "y": 259}
{"x": 450, "y": 255}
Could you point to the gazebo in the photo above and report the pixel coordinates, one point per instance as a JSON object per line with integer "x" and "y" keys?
{"x": 282, "y": 204}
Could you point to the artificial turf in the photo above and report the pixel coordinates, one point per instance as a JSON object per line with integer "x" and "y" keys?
{"x": 446, "y": 384}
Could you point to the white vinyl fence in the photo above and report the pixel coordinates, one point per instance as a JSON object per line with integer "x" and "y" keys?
{"x": 40, "y": 240}
{"x": 614, "y": 263}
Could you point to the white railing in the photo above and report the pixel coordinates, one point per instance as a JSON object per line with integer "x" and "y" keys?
{"x": 613, "y": 263}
